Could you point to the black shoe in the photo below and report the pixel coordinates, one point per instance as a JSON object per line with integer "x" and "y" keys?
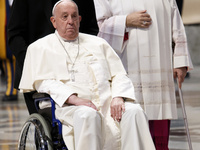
{"x": 9, "y": 98}
{"x": 187, "y": 75}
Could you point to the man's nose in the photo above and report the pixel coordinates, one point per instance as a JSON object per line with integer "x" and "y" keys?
{"x": 70, "y": 20}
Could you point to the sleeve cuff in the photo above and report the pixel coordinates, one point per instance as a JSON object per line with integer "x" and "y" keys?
{"x": 182, "y": 61}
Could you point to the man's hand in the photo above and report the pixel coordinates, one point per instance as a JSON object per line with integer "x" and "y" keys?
{"x": 180, "y": 73}
{"x": 138, "y": 19}
{"x": 75, "y": 100}
{"x": 117, "y": 107}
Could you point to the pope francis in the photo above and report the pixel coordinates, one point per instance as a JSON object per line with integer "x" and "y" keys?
{"x": 94, "y": 97}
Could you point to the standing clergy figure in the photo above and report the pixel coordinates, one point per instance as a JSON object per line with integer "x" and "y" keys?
{"x": 94, "y": 98}
{"x": 141, "y": 32}
{"x": 8, "y": 60}
{"x": 30, "y": 21}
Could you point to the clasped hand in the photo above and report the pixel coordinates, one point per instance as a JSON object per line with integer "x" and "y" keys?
{"x": 138, "y": 19}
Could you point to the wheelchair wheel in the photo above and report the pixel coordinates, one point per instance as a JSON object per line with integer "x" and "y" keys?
{"x": 35, "y": 134}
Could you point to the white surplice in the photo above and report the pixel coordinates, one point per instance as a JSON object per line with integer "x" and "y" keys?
{"x": 99, "y": 76}
{"x": 147, "y": 55}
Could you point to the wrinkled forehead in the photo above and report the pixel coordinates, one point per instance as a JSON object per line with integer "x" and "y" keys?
{"x": 60, "y": 1}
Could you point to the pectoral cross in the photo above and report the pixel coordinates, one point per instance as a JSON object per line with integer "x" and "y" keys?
{"x": 73, "y": 74}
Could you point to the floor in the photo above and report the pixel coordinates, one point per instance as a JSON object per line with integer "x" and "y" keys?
{"x": 14, "y": 114}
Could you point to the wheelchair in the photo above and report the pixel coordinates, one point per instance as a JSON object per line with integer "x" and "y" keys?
{"x": 42, "y": 131}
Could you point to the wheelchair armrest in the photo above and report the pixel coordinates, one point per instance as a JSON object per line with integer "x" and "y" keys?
{"x": 40, "y": 95}
{"x": 44, "y": 96}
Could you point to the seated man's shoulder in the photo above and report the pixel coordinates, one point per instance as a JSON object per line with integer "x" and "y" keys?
{"x": 91, "y": 38}
{"x": 47, "y": 38}
{"x": 45, "y": 41}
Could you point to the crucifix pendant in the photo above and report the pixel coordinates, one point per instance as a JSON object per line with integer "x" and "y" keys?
{"x": 73, "y": 75}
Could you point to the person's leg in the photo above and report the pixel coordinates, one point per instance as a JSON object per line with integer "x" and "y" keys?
{"x": 160, "y": 133}
{"x": 134, "y": 127}
{"x": 1, "y": 68}
{"x": 88, "y": 130}
{"x": 11, "y": 92}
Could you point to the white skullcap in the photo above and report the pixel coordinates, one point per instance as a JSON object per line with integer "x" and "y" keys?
{"x": 58, "y": 2}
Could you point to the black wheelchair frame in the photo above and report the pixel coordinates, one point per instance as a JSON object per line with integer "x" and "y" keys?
{"x": 42, "y": 131}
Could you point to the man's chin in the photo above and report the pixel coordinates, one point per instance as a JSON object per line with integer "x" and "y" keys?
{"x": 71, "y": 36}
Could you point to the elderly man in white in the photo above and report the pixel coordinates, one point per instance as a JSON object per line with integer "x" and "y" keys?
{"x": 94, "y": 97}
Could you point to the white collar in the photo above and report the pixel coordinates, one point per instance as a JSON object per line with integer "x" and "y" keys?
{"x": 75, "y": 41}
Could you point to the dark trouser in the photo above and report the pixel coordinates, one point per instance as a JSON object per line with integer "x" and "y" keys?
{"x": 180, "y": 5}
{"x": 160, "y": 133}
{"x": 30, "y": 102}
{"x": 9, "y": 66}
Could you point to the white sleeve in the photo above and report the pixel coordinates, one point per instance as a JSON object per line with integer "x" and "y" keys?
{"x": 181, "y": 52}
{"x": 111, "y": 27}
{"x": 121, "y": 85}
{"x": 58, "y": 91}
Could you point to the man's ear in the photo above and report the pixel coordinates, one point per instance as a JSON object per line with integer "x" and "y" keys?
{"x": 53, "y": 21}
{"x": 80, "y": 18}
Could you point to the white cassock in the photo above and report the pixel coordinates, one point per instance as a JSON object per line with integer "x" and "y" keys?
{"x": 98, "y": 76}
{"x": 147, "y": 55}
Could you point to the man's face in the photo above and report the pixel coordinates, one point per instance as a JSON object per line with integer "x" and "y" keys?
{"x": 66, "y": 20}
